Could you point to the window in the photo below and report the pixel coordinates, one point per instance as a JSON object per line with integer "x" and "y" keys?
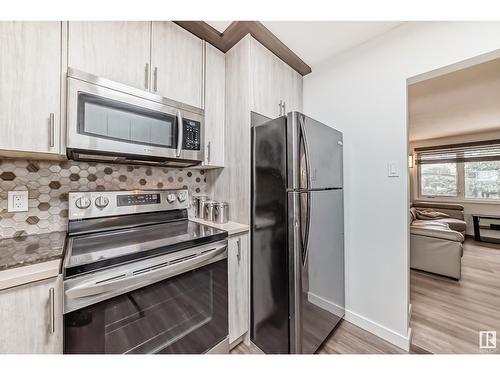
{"x": 465, "y": 171}
{"x": 439, "y": 179}
{"x": 482, "y": 180}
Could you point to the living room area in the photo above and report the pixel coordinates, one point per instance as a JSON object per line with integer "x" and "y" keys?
{"x": 454, "y": 214}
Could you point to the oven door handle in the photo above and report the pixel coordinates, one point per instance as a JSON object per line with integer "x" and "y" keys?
{"x": 139, "y": 277}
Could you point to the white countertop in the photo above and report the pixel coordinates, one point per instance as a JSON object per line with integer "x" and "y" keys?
{"x": 231, "y": 227}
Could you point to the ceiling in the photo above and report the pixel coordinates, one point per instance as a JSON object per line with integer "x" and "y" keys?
{"x": 462, "y": 102}
{"x": 316, "y": 41}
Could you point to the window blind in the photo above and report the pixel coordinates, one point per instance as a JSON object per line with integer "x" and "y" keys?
{"x": 458, "y": 153}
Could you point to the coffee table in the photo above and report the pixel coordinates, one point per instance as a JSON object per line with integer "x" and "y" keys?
{"x": 486, "y": 228}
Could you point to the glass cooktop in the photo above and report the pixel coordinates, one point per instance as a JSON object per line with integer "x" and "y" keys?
{"x": 99, "y": 250}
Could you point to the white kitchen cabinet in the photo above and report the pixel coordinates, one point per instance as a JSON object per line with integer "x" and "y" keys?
{"x": 277, "y": 88}
{"x": 266, "y": 77}
{"x": 30, "y": 86}
{"x": 31, "y": 318}
{"x": 239, "y": 286}
{"x": 177, "y": 63}
{"x": 291, "y": 85}
{"x": 119, "y": 51}
{"x": 215, "y": 79}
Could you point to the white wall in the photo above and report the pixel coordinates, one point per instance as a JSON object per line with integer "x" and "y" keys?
{"x": 363, "y": 93}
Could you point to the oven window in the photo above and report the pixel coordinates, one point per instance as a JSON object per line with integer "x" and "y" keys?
{"x": 183, "y": 314}
{"x": 110, "y": 119}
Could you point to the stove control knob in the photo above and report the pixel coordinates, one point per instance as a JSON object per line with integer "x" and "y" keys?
{"x": 171, "y": 198}
{"x": 182, "y": 196}
{"x": 83, "y": 203}
{"x": 101, "y": 201}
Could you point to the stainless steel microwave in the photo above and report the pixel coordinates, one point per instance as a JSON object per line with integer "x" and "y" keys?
{"x": 111, "y": 122}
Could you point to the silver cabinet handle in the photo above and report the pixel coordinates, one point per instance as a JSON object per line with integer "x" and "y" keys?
{"x": 52, "y": 130}
{"x": 238, "y": 254}
{"x": 209, "y": 147}
{"x": 146, "y": 78}
{"x": 180, "y": 131}
{"x": 284, "y": 108}
{"x": 155, "y": 79}
{"x": 52, "y": 310}
{"x": 280, "y": 107}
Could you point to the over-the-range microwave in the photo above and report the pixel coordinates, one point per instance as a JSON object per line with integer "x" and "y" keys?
{"x": 111, "y": 122}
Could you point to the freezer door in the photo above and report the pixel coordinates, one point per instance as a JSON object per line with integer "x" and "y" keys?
{"x": 269, "y": 292}
{"x": 316, "y": 251}
{"x": 314, "y": 154}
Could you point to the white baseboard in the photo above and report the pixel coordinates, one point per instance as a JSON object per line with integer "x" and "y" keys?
{"x": 325, "y": 304}
{"x": 387, "y": 334}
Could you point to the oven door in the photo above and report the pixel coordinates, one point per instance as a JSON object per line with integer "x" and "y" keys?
{"x": 107, "y": 118}
{"x": 168, "y": 304}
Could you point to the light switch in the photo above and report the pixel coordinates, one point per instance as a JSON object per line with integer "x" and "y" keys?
{"x": 392, "y": 169}
{"x": 17, "y": 201}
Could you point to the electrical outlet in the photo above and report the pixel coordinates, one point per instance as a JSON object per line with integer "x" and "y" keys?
{"x": 18, "y": 201}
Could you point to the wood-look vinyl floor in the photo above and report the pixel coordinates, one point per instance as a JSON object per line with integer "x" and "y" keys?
{"x": 447, "y": 315}
{"x": 346, "y": 339}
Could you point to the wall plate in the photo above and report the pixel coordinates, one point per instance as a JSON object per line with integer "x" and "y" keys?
{"x": 17, "y": 201}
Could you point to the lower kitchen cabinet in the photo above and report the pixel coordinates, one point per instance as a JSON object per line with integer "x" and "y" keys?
{"x": 239, "y": 286}
{"x": 31, "y": 318}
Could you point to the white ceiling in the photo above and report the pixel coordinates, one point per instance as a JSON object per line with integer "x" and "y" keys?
{"x": 316, "y": 41}
{"x": 462, "y": 102}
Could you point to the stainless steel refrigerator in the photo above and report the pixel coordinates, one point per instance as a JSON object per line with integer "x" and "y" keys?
{"x": 297, "y": 233}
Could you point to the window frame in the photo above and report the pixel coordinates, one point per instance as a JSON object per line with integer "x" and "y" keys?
{"x": 460, "y": 197}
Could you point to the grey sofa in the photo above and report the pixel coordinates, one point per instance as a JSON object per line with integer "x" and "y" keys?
{"x": 434, "y": 246}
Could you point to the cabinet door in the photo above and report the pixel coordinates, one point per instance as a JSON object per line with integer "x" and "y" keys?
{"x": 239, "y": 296}
{"x": 215, "y": 79}
{"x": 177, "y": 62}
{"x": 119, "y": 51}
{"x": 292, "y": 89}
{"x": 266, "y": 80}
{"x": 31, "y": 318}
{"x": 30, "y": 86}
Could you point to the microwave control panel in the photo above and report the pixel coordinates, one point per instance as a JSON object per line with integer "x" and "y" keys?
{"x": 192, "y": 135}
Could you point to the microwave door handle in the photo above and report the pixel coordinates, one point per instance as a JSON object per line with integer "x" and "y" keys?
{"x": 147, "y": 276}
{"x": 180, "y": 133}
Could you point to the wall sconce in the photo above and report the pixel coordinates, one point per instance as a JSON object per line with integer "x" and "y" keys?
{"x": 410, "y": 161}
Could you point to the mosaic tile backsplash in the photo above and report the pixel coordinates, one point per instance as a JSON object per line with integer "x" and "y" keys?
{"x": 48, "y": 184}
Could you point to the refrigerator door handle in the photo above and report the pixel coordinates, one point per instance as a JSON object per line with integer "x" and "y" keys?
{"x": 303, "y": 156}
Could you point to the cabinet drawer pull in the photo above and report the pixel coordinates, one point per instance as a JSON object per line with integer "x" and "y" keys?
{"x": 52, "y": 136}
{"x": 155, "y": 79}
{"x": 146, "y": 78}
{"x": 238, "y": 254}
{"x": 281, "y": 108}
{"x": 52, "y": 310}
{"x": 209, "y": 147}
{"x": 284, "y": 108}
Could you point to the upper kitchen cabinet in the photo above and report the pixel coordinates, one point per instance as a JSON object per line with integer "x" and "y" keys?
{"x": 215, "y": 79}
{"x": 30, "y": 86}
{"x": 119, "y": 51}
{"x": 277, "y": 88}
{"x": 177, "y": 64}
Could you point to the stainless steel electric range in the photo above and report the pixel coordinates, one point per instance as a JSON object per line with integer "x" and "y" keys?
{"x": 139, "y": 277}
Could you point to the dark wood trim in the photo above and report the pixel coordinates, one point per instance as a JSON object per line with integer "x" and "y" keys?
{"x": 237, "y": 30}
